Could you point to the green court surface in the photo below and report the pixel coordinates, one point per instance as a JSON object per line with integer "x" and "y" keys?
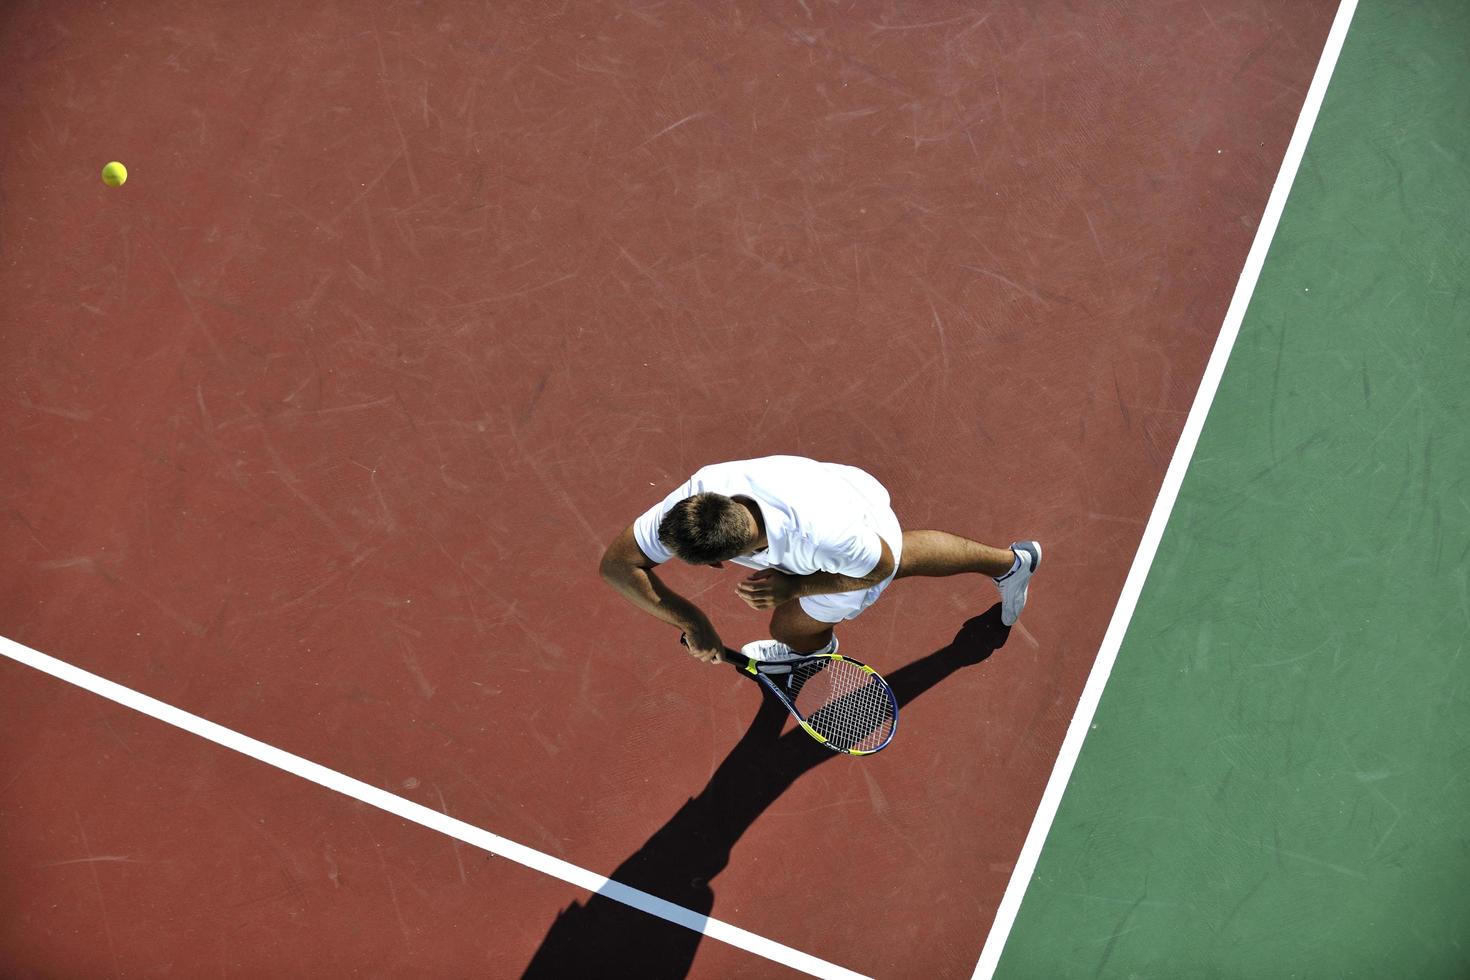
{"x": 1276, "y": 783}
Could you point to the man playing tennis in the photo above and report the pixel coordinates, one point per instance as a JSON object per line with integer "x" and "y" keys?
{"x": 824, "y": 542}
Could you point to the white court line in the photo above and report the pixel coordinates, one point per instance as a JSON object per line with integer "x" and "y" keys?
{"x": 1010, "y": 903}
{"x": 422, "y": 815}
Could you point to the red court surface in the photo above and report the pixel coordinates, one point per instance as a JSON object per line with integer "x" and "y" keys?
{"x": 318, "y": 426}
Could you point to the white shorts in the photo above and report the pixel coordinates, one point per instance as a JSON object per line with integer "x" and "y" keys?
{"x": 840, "y": 606}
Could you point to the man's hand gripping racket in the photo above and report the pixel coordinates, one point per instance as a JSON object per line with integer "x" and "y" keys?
{"x": 838, "y": 701}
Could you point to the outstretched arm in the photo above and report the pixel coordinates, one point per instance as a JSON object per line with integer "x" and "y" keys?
{"x": 626, "y": 568}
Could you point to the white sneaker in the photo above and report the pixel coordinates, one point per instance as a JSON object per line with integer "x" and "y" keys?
{"x": 774, "y": 651}
{"x": 1012, "y": 584}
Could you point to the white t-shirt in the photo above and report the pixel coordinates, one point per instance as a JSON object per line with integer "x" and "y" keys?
{"x": 820, "y": 517}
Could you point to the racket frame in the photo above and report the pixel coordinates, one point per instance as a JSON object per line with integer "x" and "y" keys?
{"x": 763, "y": 671}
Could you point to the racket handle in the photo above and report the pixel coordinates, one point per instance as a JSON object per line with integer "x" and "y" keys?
{"x": 735, "y": 659}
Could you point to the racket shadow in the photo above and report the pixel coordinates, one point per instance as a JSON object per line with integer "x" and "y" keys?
{"x": 605, "y": 938}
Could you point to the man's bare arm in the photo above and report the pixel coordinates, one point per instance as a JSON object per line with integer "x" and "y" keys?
{"x": 626, "y": 568}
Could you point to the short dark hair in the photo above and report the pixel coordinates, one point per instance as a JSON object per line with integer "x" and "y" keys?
{"x": 704, "y": 528}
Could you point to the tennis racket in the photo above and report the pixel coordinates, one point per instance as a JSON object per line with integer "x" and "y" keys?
{"x": 840, "y": 702}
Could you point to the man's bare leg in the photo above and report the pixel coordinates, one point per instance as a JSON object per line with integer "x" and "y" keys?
{"x": 938, "y": 553}
{"x": 792, "y": 626}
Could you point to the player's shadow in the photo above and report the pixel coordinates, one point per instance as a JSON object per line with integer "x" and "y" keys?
{"x": 605, "y": 938}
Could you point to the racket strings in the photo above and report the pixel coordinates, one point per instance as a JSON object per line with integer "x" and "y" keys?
{"x": 851, "y": 708}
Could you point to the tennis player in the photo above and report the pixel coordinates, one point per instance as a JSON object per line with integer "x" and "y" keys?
{"x": 822, "y": 538}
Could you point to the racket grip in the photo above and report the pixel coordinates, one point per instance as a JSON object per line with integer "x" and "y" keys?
{"x": 736, "y": 660}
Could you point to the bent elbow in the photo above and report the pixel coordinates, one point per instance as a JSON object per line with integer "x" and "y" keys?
{"x": 612, "y": 568}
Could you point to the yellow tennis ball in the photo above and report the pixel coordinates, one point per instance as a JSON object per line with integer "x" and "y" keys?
{"x": 114, "y": 174}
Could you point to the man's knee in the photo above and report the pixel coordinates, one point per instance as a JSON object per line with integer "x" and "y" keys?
{"x": 792, "y": 626}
